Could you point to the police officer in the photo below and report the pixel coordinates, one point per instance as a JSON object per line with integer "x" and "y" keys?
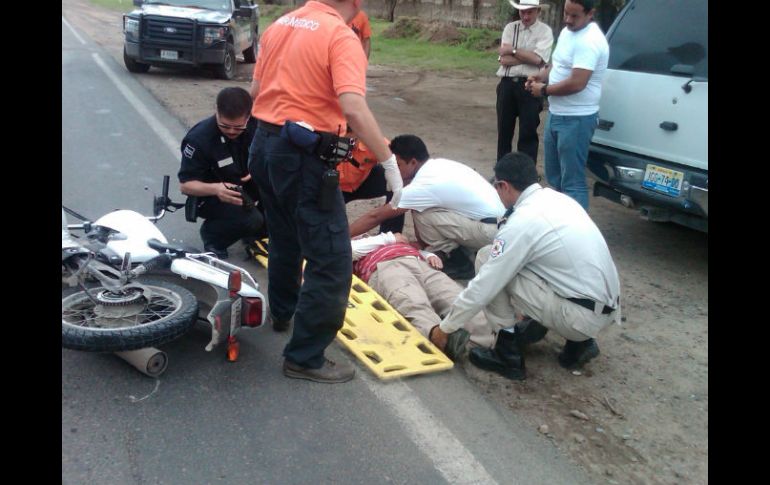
{"x": 309, "y": 81}
{"x": 548, "y": 261}
{"x": 215, "y": 172}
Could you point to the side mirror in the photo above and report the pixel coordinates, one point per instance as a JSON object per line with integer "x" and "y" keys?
{"x": 242, "y": 12}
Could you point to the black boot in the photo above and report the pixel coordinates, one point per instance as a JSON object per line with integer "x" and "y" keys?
{"x": 505, "y": 358}
{"x": 576, "y": 354}
{"x": 531, "y": 330}
{"x": 457, "y": 265}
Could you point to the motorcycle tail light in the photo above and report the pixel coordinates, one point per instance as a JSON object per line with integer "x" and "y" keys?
{"x": 233, "y": 349}
{"x": 234, "y": 282}
{"x": 252, "y": 312}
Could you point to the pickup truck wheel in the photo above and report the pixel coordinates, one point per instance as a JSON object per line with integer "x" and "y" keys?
{"x": 227, "y": 69}
{"x": 250, "y": 54}
{"x": 134, "y": 66}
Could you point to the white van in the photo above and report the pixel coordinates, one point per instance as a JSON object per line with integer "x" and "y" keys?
{"x": 650, "y": 148}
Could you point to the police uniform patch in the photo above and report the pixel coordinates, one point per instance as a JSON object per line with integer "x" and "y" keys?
{"x": 498, "y": 245}
{"x": 188, "y": 150}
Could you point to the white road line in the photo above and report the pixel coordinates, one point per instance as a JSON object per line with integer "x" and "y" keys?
{"x": 171, "y": 142}
{"x": 455, "y": 463}
{"x": 73, "y": 31}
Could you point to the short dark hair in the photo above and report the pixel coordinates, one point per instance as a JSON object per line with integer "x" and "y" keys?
{"x": 518, "y": 169}
{"x": 588, "y": 5}
{"x": 409, "y": 147}
{"x": 233, "y": 103}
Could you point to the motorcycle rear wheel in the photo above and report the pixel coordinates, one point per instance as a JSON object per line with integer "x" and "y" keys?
{"x": 111, "y": 324}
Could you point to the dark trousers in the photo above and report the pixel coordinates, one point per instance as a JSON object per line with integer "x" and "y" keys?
{"x": 225, "y": 223}
{"x": 289, "y": 183}
{"x": 373, "y": 187}
{"x": 513, "y": 101}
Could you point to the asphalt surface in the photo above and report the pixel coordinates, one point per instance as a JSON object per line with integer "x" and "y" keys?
{"x": 209, "y": 421}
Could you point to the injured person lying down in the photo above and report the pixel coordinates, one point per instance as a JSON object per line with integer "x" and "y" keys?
{"x": 412, "y": 282}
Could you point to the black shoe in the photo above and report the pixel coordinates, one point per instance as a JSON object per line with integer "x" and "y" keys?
{"x": 457, "y": 265}
{"x": 505, "y": 358}
{"x": 456, "y": 343}
{"x": 330, "y": 372}
{"x": 219, "y": 253}
{"x": 531, "y": 330}
{"x": 280, "y": 325}
{"x": 576, "y": 354}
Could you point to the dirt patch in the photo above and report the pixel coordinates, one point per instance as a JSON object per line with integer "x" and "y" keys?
{"x": 646, "y": 395}
{"x": 441, "y": 32}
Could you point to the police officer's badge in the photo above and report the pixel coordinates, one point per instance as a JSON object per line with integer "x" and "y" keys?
{"x": 498, "y": 245}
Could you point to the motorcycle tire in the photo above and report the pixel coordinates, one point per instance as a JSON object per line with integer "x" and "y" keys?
{"x": 127, "y": 325}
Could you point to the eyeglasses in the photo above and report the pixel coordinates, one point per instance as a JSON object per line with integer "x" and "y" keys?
{"x": 233, "y": 127}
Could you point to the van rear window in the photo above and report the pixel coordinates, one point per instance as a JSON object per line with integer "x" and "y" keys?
{"x": 656, "y": 35}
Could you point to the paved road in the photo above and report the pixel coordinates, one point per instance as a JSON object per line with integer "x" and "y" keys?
{"x": 209, "y": 421}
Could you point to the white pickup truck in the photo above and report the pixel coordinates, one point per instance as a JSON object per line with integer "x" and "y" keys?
{"x": 650, "y": 148}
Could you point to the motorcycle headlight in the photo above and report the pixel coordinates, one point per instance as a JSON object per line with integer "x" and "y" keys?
{"x": 213, "y": 34}
{"x": 130, "y": 26}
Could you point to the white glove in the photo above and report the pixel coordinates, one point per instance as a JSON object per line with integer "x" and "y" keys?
{"x": 393, "y": 180}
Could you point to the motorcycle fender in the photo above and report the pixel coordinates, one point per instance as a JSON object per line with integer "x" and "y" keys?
{"x": 225, "y": 318}
{"x": 189, "y": 268}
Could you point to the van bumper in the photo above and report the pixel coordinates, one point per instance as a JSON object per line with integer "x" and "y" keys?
{"x": 619, "y": 175}
{"x": 187, "y": 55}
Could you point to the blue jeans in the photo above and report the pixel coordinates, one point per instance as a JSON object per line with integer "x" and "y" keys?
{"x": 566, "y": 143}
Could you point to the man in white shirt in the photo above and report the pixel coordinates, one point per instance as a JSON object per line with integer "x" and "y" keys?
{"x": 548, "y": 261}
{"x": 454, "y": 208}
{"x": 573, "y": 82}
{"x": 525, "y": 47}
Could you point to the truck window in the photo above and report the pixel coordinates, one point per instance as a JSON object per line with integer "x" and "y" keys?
{"x": 655, "y": 35}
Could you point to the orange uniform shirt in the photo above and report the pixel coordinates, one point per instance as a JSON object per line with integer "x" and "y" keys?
{"x": 351, "y": 177}
{"x": 307, "y": 58}
{"x": 360, "y": 25}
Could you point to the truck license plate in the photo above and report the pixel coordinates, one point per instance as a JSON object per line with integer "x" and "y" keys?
{"x": 170, "y": 55}
{"x": 663, "y": 180}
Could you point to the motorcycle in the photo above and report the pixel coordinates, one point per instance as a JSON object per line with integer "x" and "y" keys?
{"x": 118, "y": 308}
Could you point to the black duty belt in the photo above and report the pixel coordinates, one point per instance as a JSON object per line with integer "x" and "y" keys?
{"x": 269, "y": 127}
{"x": 516, "y": 79}
{"x": 591, "y": 305}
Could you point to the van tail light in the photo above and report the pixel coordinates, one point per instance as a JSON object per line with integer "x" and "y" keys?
{"x": 252, "y": 312}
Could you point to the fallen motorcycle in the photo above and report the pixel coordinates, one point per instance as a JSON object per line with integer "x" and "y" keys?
{"x": 121, "y": 306}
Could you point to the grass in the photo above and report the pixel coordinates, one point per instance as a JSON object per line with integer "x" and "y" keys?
{"x": 120, "y": 5}
{"x": 418, "y": 54}
{"x": 471, "y": 55}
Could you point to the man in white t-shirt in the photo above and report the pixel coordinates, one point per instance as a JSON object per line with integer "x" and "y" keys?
{"x": 573, "y": 82}
{"x": 454, "y": 208}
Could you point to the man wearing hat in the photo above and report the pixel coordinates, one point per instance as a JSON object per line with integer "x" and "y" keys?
{"x": 524, "y": 48}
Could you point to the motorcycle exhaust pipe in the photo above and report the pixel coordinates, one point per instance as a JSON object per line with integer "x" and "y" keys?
{"x": 149, "y": 361}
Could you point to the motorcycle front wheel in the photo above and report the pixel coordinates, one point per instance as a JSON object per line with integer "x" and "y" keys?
{"x": 102, "y": 321}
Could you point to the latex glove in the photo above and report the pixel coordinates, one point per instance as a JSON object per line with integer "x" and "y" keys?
{"x": 393, "y": 180}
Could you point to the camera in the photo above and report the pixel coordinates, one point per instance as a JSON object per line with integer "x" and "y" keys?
{"x": 248, "y": 202}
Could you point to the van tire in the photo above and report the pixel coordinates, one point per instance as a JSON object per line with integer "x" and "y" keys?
{"x": 134, "y": 66}
{"x": 250, "y": 54}
{"x": 226, "y": 70}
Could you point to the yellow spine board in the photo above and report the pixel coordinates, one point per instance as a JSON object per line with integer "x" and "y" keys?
{"x": 381, "y": 338}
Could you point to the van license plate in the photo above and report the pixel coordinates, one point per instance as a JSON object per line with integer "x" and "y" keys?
{"x": 170, "y": 55}
{"x": 663, "y": 180}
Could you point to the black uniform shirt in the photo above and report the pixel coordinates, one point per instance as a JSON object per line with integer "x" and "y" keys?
{"x": 209, "y": 156}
